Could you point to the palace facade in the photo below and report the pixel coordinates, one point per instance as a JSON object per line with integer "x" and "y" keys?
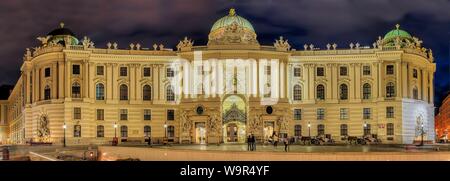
{"x": 221, "y": 92}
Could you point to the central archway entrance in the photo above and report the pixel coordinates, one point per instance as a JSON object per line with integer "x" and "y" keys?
{"x": 234, "y": 119}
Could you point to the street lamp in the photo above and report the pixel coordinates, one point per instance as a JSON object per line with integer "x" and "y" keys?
{"x": 421, "y": 132}
{"x": 364, "y": 128}
{"x": 64, "y": 140}
{"x": 309, "y": 129}
{"x": 115, "y": 130}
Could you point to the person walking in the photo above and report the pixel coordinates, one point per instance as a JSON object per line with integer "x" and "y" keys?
{"x": 253, "y": 143}
{"x": 249, "y": 143}
{"x": 286, "y": 144}
{"x": 275, "y": 139}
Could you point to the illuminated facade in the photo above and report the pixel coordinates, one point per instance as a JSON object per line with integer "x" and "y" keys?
{"x": 442, "y": 120}
{"x": 221, "y": 92}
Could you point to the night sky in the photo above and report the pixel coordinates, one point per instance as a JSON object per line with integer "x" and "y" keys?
{"x": 167, "y": 21}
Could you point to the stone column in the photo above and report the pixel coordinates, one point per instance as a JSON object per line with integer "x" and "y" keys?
{"x": 85, "y": 79}
{"x": 61, "y": 75}
{"x": 133, "y": 85}
{"x": 328, "y": 74}
{"x": 357, "y": 81}
{"x": 282, "y": 80}
{"x": 53, "y": 74}
{"x": 137, "y": 79}
{"x": 155, "y": 82}
{"x": 92, "y": 73}
{"x": 398, "y": 77}
{"x": 379, "y": 76}
{"x": 334, "y": 84}
{"x": 28, "y": 87}
{"x": 69, "y": 78}
{"x": 425, "y": 85}
{"x": 109, "y": 80}
{"x": 161, "y": 87}
{"x": 405, "y": 79}
{"x": 115, "y": 86}
{"x": 311, "y": 81}
{"x": 431, "y": 75}
{"x": 351, "y": 87}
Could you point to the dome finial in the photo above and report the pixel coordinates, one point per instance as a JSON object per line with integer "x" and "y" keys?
{"x": 232, "y": 12}
{"x": 397, "y": 26}
{"x": 61, "y": 24}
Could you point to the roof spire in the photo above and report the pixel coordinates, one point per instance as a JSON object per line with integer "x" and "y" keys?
{"x": 61, "y": 24}
{"x": 232, "y": 12}
{"x": 397, "y": 26}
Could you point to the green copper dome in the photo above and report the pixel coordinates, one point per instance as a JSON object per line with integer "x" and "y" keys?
{"x": 396, "y": 33}
{"x": 230, "y": 19}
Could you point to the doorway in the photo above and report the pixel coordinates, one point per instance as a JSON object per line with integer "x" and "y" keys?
{"x": 200, "y": 133}
{"x": 268, "y": 130}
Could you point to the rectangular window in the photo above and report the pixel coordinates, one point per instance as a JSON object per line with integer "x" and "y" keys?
{"x": 100, "y": 131}
{"x": 390, "y": 129}
{"x": 390, "y": 69}
{"x": 147, "y": 114}
{"x": 389, "y": 112}
{"x": 76, "y": 113}
{"x": 267, "y": 70}
{"x": 123, "y": 71}
{"x": 344, "y": 113}
{"x": 366, "y": 70}
{"x": 76, "y": 69}
{"x": 415, "y": 73}
{"x": 123, "y": 114}
{"x": 100, "y": 70}
{"x": 297, "y": 114}
{"x": 147, "y": 71}
{"x": 320, "y": 114}
{"x": 320, "y": 71}
{"x": 297, "y": 72}
{"x": 170, "y": 72}
{"x": 100, "y": 114}
{"x": 47, "y": 72}
{"x": 343, "y": 71}
{"x": 170, "y": 114}
{"x": 366, "y": 113}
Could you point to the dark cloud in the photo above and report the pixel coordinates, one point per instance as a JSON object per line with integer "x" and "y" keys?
{"x": 166, "y": 21}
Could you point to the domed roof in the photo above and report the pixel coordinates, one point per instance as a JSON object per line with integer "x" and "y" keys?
{"x": 61, "y": 31}
{"x": 396, "y": 33}
{"x": 230, "y": 19}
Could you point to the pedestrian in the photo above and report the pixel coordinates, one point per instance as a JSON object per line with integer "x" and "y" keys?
{"x": 249, "y": 143}
{"x": 253, "y": 143}
{"x": 286, "y": 144}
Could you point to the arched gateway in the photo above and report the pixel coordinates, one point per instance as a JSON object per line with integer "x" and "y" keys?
{"x": 234, "y": 119}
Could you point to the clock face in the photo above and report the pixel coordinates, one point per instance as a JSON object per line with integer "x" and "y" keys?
{"x": 199, "y": 110}
{"x": 269, "y": 110}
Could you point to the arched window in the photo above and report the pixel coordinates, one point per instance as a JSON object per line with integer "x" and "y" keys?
{"x": 390, "y": 89}
{"x": 415, "y": 93}
{"x": 367, "y": 91}
{"x": 76, "y": 90}
{"x": 320, "y": 129}
{"x": 147, "y": 93}
{"x": 343, "y": 89}
{"x": 100, "y": 131}
{"x": 100, "y": 91}
{"x": 147, "y": 131}
{"x": 170, "y": 95}
{"x": 170, "y": 131}
{"x": 297, "y": 93}
{"x": 123, "y": 131}
{"x": 344, "y": 130}
{"x": 320, "y": 92}
{"x": 123, "y": 92}
{"x": 77, "y": 131}
{"x": 47, "y": 92}
{"x": 298, "y": 130}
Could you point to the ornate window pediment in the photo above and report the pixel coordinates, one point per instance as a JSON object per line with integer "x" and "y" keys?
{"x": 234, "y": 114}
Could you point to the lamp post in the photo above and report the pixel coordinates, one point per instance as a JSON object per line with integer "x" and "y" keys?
{"x": 421, "y": 132}
{"x": 115, "y": 130}
{"x": 64, "y": 137}
{"x": 309, "y": 129}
